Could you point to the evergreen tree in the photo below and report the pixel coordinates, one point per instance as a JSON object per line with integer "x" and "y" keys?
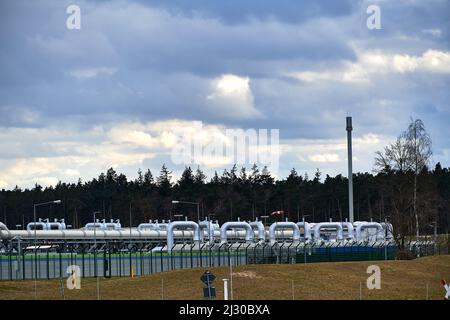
{"x": 200, "y": 177}
{"x": 148, "y": 178}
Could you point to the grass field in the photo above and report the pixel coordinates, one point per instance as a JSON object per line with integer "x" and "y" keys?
{"x": 414, "y": 279}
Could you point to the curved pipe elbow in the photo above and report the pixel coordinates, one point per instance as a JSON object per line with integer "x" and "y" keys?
{"x": 236, "y": 225}
{"x": 290, "y": 225}
{"x": 261, "y": 230}
{"x": 336, "y": 225}
{"x": 3, "y": 227}
{"x": 307, "y": 229}
{"x": 186, "y": 224}
{"x": 350, "y": 230}
{"x": 368, "y": 225}
{"x": 209, "y": 226}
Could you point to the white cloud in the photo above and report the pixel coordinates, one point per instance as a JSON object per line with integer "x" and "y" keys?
{"x": 327, "y": 157}
{"x": 126, "y": 135}
{"x": 72, "y": 173}
{"x": 66, "y": 153}
{"x": 435, "y": 61}
{"x": 4, "y": 184}
{"x": 330, "y": 155}
{"x": 371, "y": 63}
{"x": 232, "y": 97}
{"x": 405, "y": 63}
{"x": 47, "y": 181}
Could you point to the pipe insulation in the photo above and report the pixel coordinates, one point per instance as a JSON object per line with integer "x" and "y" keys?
{"x": 181, "y": 224}
{"x": 236, "y": 225}
{"x": 367, "y": 225}
{"x": 335, "y": 225}
{"x": 284, "y": 225}
{"x": 259, "y": 226}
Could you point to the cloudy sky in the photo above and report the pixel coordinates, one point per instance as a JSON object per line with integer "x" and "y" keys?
{"x": 121, "y": 90}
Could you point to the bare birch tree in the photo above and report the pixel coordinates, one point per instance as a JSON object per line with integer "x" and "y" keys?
{"x": 411, "y": 152}
{"x": 419, "y": 150}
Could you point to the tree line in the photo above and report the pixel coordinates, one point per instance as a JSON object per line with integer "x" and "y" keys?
{"x": 402, "y": 189}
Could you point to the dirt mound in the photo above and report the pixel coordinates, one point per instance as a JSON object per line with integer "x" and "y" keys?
{"x": 247, "y": 274}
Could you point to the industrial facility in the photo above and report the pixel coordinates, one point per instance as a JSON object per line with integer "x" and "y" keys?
{"x": 46, "y": 248}
{"x": 209, "y": 232}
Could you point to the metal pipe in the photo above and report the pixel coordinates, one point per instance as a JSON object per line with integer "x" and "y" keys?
{"x": 112, "y": 225}
{"x": 367, "y": 225}
{"x": 209, "y": 226}
{"x": 336, "y": 225}
{"x": 350, "y": 230}
{"x": 150, "y": 226}
{"x": 3, "y": 227}
{"x": 286, "y": 225}
{"x": 387, "y": 230}
{"x": 95, "y": 225}
{"x": 249, "y": 232}
{"x": 261, "y": 230}
{"x": 236, "y": 225}
{"x": 73, "y": 234}
{"x": 184, "y": 224}
{"x": 33, "y": 225}
{"x": 307, "y": 229}
{"x": 55, "y": 225}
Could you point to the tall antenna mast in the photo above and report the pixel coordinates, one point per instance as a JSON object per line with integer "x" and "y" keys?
{"x": 350, "y": 169}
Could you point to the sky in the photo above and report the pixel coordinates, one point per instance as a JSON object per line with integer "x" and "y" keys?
{"x": 128, "y": 87}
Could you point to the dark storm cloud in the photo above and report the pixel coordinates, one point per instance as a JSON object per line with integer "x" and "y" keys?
{"x": 235, "y": 11}
{"x": 166, "y": 59}
{"x": 157, "y": 60}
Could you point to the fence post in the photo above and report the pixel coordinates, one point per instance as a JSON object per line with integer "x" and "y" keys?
{"x": 10, "y": 267}
{"x": 329, "y": 253}
{"x": 288, "y": 253}
{"x": 131, "y": 261}
{"x": 151, "y": 260}
{"x": 210, "y": 253}
{"x": 238, "y": 254}
{"x": 264, "y": 253}
{"x": 181, "y": 256}
{"x": 141, "y": 263}
{"x": 23, "y": 265}
{"x": 47, "y": 264}
{"x": 246, "y": 254}
{"x": 105, "y": 264}
{"x": 160, "y": 252}
{"x": 192, "y": 260}
{"x": 200, "y": 254}
{"x": 120, "y": 262}
{"x": 82, "y": 262}
{"x": 271, "y": 247}
{"x": 171, "y": 258}
{"x": 304, "y": 253}
{"x": 108, "y": 261}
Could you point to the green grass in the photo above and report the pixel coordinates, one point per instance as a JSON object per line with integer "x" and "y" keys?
{"x": 405, "y": 279}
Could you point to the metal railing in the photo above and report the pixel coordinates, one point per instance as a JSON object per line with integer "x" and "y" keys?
{"x": 113, "y": 259}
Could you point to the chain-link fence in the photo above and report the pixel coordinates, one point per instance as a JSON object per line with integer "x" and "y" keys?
{"x": 134, "y": 259}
